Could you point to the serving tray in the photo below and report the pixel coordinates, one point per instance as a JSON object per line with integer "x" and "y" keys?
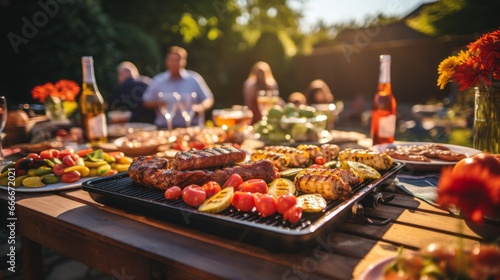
{"x": 119, "y": 191}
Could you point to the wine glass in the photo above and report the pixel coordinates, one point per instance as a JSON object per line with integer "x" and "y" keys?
{"x": 185, "y": 104}
{"x": 167, "y": 113}
{"x": 3, "y": 121}
{"x": 266, "y": 99}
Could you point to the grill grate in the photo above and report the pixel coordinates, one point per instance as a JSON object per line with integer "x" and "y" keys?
{"x": 120, "y": 187}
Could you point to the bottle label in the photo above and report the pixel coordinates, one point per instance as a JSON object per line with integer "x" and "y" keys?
{"x": 387, "y": 126}
{"x": 97, "y": 126}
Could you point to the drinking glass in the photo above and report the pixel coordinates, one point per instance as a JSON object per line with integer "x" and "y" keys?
{"x": 266, "y": 100}
{"x": 168, "y": 113}
{"x": 185, "y": 104}
{"x": 3, "y": 120}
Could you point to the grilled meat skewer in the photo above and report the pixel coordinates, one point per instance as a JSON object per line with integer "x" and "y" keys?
{"x": 208, "y": 158}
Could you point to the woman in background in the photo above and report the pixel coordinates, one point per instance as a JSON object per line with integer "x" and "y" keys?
{"x": 260, "y": 78}
{"x": 318, "y": 92}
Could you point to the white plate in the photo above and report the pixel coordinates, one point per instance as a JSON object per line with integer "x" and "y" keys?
{"x": 122, "y": 129}
{"x": 376, "y": 271}
{"x": 433, "y": 165}
{"x": 52, "y": 187}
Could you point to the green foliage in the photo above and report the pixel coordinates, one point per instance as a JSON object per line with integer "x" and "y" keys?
{"x": 52, "y": 50}
{"x": 457, "y": 17}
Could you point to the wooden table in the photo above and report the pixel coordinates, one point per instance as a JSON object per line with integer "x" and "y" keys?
{"x": 128, "y": 245}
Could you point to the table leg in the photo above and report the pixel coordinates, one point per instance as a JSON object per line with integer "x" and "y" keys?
{"x": 32, "y": 259}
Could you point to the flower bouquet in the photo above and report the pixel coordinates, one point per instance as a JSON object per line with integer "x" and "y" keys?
{"x": 58, "y": 98}
{"x": 479, "y": 67}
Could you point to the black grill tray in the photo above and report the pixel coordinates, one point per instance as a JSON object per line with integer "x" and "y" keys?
{"x": 119, "y": 191}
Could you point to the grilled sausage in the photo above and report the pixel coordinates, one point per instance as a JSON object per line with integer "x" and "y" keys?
{"x": 208, "y": 158}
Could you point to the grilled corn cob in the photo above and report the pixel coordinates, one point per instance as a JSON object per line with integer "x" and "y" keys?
{"x": 377, "y": 160}
{"x": 280, "y": 161}
{"x": 329, "y": 187}
{"x": 330, "y": 151}
{"x": 297, "y": 157}
{"x": 312, "y": 150}
{"x": 348, "y": 176}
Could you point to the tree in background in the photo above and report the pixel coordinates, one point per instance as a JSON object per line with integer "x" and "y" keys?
{"x": 457, "y": 17}
{"x": 44, "y": 42}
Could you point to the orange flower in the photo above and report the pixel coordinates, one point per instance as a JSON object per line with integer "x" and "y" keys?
{"x": 478, "y": 65}
{"x": 66, "y": 90}
{"x": 475, "y": 192}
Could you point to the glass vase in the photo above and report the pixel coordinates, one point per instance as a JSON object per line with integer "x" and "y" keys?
{"x": 486, "y": 131}
{"x": 54, "y": 110}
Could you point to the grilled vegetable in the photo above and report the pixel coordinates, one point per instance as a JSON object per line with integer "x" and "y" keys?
{"x": 312, "y": 150}
{"x": 219, "y": 202}
{"x": 329, "y": 151}
{"x": 291, "y": 172}
{"x": 297, "y": 157}
{"x": 280, "y": 187}
{"x": 280, "y": 161}
{"x": 363, "y": 170}
{"x": 328, "y": 186}
{"x": 348, "y": 176}
{"x": 311, "y": 202}
{"x": 377, "y": 160}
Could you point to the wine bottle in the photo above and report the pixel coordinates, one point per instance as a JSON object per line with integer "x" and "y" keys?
{"x": 92, "y": 111}
{"x": 384, "y": 106}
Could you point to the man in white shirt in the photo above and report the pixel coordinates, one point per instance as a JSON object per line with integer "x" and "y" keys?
{"x": 182, "y": 93}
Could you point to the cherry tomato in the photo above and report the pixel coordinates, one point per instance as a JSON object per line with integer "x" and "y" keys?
{"x": 254, "y": 186}
{"x": 111, "y": 172}
{"x": 266, "y": 204}
{"x": 70, "y": 160}
{"x": 194, "y": 195}
{"x": 196, "y": 144}
{"x": 58, "y": 169}
{"x": 70, "y": 177}
{"x": 319, "y": 160}
{"x": 117, "y": 155}
{"x": 82, "y": 153}
{"x": 489, "y": 161}
{"x": 64, "y": 153}
{"x": 293, "y": 214}
{"x": 234, "y": 181}
{"x": 211, "y": 188}
{"x": 173, "y": 193}
{"x": 34, "y": 156}
{"x": 285, "y": 202}
{"x": 243, "y": 201}
{"x": 49, "y": 154}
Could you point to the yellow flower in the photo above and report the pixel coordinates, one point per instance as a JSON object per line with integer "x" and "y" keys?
{"x": 446, "y": 69}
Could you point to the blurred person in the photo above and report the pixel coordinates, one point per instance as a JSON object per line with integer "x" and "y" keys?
{"x": 297, "y": 98}
{"x": 127, "y": 95}
{"x": 177, "y": 79}
{"x": 260, "y": 78}
{"x": 318, "y": 92}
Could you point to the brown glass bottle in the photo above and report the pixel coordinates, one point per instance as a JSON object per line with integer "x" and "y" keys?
{"x": 92, "y": 110}
{"x": 384, "y": 106}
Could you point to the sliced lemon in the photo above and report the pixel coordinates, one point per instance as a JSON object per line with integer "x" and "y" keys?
{"x": 311, "y": 202}
{"x": 219, "y": 202}
{"x": 280, "y": 187}
{"x": 363, "y": 170}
